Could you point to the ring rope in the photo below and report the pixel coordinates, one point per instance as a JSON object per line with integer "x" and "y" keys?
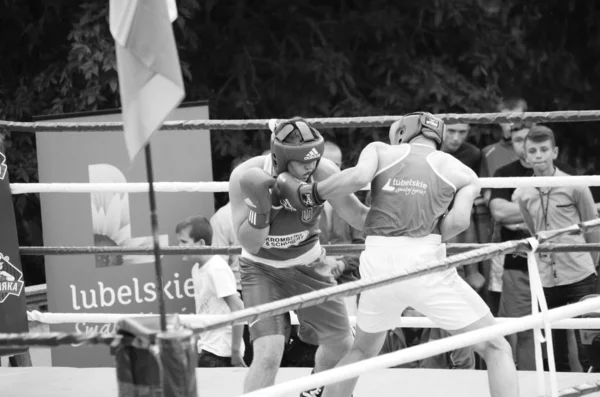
{"x": 425, "y": 350}
{"x": 539, "y": 304}
{"x": 325, "y": 122}
{"x": 52, "y": 339}
{"x": 355, "y": 287}
{"x": 198, "y": 320}
{"x": 580, "y": 390}
{"x": 220, "y": 187}
{"x": 334, "y": 249}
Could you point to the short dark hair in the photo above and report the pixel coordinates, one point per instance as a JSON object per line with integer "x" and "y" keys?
{"x": 512, "y": 103}
{"x": 541, "y": 133}
{"x": 200, "y": 229}
{"x": 520, "y": 125}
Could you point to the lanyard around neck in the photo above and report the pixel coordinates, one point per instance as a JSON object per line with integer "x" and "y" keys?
{"x": 546, "y": 207}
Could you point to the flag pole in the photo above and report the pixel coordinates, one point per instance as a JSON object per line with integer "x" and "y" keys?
{"x": 154, "y": 226}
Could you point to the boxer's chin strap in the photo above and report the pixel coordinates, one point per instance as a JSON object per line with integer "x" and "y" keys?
{"x": 538, "y": 304}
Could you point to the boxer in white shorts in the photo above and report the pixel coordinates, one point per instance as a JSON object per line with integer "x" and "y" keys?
{"x": 420, "y": 198}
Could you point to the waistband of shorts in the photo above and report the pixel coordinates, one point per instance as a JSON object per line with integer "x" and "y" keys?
{"x": 306, "y": 258}
{"x": 396, "y": 241}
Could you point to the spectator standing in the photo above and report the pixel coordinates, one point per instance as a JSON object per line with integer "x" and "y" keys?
{"x": 454, "y": 143}
{"x": 515, "y": 298}
{"x": 567, "y": 277}
{"x": 493, "y": 157}
{"x": 214, "y": 294}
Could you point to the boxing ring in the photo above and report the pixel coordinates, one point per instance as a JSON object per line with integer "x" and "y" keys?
{"x": 376, "y": 376}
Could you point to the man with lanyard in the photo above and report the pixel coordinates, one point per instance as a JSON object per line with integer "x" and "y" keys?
{"x": 567, "y": 277}
{"x": 515, "y": 299}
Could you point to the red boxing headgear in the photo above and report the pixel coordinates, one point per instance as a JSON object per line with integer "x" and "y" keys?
{"x": 311, "y": 148}
{"x": 412, "y": 125}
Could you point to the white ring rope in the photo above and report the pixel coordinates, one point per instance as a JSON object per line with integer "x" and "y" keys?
{"x": 214, "y": 187}
{"x": 200, "y": 320}
{"x": 425, "y": 350}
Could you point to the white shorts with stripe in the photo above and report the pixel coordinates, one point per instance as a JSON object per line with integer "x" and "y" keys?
{"x": 443, "y": 297}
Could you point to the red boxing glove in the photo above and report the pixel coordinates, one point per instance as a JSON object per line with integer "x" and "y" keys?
{"x": 256, "y": 185}
{"x": 297, "y": 195}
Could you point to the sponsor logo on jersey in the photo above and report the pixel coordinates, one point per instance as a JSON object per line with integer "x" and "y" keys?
{"x": 11, "y": 279}
{"x": 406, "y": 186}
{"x": 312, "y": 155}
{"x": 285, "y": 241}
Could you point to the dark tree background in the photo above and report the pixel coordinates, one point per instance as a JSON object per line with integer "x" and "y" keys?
{"x": 271, "y": 58}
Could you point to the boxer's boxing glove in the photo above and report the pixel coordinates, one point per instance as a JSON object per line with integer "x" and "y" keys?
{"x": 256, "y": 185}
{"x": 297, "y": 194}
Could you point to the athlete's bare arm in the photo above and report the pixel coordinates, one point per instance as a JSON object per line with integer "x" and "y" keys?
{"x": 349, "y": 206}
{"x": 505, "y": 212}
{"x": 250, "y": 238}
{"x": 468, "y": 189}
{"x": 354, "y": 178}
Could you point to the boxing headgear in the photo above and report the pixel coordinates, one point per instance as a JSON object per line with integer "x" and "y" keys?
{"x": 413, "y": 125}
{"x": 310, "y": 149}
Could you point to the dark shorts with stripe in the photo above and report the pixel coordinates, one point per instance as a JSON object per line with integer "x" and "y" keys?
{"x": 324, "y": 323}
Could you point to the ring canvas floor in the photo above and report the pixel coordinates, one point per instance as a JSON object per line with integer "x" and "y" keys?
{"x": 227, "y": 382}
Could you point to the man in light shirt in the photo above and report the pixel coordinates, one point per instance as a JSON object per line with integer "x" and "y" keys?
{"x": 567, "y": 277}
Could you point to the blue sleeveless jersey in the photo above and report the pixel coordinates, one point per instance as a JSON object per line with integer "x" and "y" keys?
{"x": 293, "y": 236}
{"x": 408, "y": 197}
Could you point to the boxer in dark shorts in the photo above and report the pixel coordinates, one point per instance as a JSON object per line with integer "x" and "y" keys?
{"x": 281, "y": 254}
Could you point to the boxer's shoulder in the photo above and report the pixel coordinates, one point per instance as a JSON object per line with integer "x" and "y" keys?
{"x": 254, "y": 162}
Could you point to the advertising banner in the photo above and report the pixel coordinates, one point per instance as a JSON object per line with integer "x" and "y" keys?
{"x": 13, "y": 308}
{"x": 117, "y": 283}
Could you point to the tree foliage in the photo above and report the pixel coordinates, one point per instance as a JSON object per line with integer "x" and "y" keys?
{"x": 263, "y": 59}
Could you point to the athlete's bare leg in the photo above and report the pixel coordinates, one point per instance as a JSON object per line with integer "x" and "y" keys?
{"x": 366, "y": 345}
{"x": 329, "y": 354}
{"x": 268, "y": 351}
{"x": 502, "y": 374}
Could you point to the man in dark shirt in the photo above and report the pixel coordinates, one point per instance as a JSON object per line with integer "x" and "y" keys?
{"x": 515, "y": 299}
{"x": 493, "y": 157}
{"x": 455, "y": 144}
